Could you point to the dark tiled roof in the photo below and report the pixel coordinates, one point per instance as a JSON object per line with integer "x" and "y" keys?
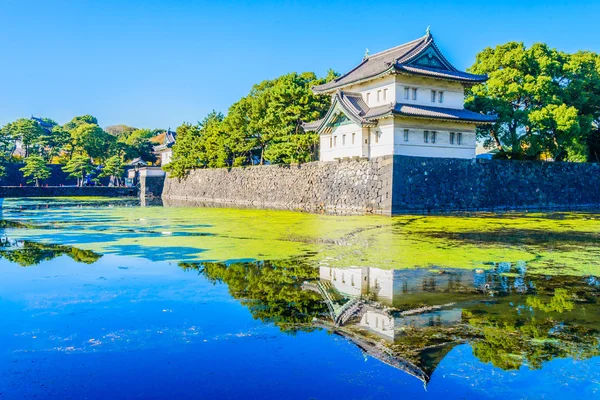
{"x": 398, "y": 60}
{"x": 419, "y": 111}
{"x": 443, "y": 74}
{"x": 357, "y": 110}
{"x": 43, "y": 124}
{"x": 310, "y": 126}
{"x": 353, "y": 106}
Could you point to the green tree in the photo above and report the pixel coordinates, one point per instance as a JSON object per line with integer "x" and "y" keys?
{"x": 547, "y": 101}
{"x": 27, "y": 131}
{"x": 36, "y": 168}
{"x": 113, "y": 168}
{"x": 188, "y": 151}
{"x": 138, "y": 144}
{"x": 92, "y": 140}
{"x": 78, "y": 167}
{"x": 80, "y": 120}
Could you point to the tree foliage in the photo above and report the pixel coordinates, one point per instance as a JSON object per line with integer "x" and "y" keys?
{"x": 78, "y": 167}
{"x": 262, "y": 127}
{"x": 547, "y": 101}
{"x": 113, "y": 168}
{"x": 35, "y": 168}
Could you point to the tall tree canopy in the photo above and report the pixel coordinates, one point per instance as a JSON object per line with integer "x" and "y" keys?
{"x": 547, "y": 101}
{"x": 264, "y": 126}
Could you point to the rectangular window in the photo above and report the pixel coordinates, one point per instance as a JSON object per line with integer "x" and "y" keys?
{"x": 406, "y": 135}
{"x": 433, "y": 135}
{"x": 414, "y": 94}
{"x": 330, "y": 142}
{"x": 353, "y": 136}
{"x": 343, "y": 140}
{"x": 378, "y": 96}
{"x": 433, "y": 96}
{"x": 368, "y": 98}
{"x": 384, "y": 94}
{"x": 335, "y": 141}
{"x": 425, "y": 136}
{"x": 441, "y": 97}
{"x": 458, "y": 138}
{"x": 376, "y": 137}
{"x": 406, "y": 93}
{"x": 451, "y": 137}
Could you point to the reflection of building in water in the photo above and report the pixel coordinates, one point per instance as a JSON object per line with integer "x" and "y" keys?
{"x": 390, "y": 325}
{"x": 401, "y": 306}
{"x": 390, "y": 286}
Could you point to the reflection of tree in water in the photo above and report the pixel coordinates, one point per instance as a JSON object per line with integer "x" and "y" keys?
{"x": 510, "y": 318}
{"x": 271, "y": 291}
{"x": 32, "y": 253}
{"x": 536, "y": 329}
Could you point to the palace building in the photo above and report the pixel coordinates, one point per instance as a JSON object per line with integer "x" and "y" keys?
{"x": 408, "y": 100}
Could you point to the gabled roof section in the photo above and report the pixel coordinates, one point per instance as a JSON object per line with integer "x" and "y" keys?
{"x": 349, "y": 104}
{"x": 427, "y": 112}
{"x": 419, "y": 57}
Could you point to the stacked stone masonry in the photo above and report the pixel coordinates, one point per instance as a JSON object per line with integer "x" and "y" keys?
{"x": 394, "y": 185}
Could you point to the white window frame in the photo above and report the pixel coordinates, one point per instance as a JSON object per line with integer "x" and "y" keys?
{"x": 458, "y": 138}
{"x": 433, "y": 136}
{"x": 433, "y": 96}
{"x": 414, "y": 94}
{"x": 440, "y": 97}
{"x": 406, "y": 133}
{"x": 406, "y": 93}
{"x": 425, "y": 136}
{"x": 385, "y": 94}
{"x": 451, "y": 136}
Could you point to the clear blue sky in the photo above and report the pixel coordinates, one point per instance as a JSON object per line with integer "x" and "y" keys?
{"x": 158, "y": 63}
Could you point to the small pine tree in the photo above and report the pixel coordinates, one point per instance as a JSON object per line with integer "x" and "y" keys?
{"x": 113, "y": 168}
{"x": 36, "y": 168}
{"x": 78, "y": 167}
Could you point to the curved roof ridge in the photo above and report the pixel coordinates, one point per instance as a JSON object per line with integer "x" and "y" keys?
{"x": 384, "y": 52}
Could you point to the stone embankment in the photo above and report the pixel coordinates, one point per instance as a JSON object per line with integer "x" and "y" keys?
{"x": 352, "y": 186}
{"x": 394, "y": 185}
{"x": 66, "y": 191}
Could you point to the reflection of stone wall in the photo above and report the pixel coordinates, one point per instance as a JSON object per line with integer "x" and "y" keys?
{"x": 66, "y": 191}
{"x": 420, "y": 185}
{"x": 350, "y": 186}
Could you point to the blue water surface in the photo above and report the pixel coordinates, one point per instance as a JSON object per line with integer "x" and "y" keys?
{"x": 125, "y": 328}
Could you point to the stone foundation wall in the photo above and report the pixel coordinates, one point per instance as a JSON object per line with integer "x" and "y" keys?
{"x": 425, "y": 185}
{"x": 394, "y": 185}
{"x": 352, "y": 186}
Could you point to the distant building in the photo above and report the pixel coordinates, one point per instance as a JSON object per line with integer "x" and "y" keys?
{"x": 47, "y": 126}
{"x": 408, "y": 100}
{"x": 164, "y": 149}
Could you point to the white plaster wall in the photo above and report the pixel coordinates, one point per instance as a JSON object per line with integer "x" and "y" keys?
{"x": 381, "y": 284}
{"x": 339, "y": 149}
{"x": 346, "y": 281}
{"x": 387, "y": 82}
{"x": 442, "y": 147}
{"x": 380, "y": 323}
{"x": 454, "y": 92}
{"x": 384, "y": 144}
{"x": 165, "y": 157}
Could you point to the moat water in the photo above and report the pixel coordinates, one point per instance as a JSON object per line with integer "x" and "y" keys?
{"x": 102, "y": 298}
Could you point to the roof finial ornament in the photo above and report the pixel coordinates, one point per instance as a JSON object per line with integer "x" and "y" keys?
{"x": 366, "y": 54}
{"x": 428, "y": 31}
